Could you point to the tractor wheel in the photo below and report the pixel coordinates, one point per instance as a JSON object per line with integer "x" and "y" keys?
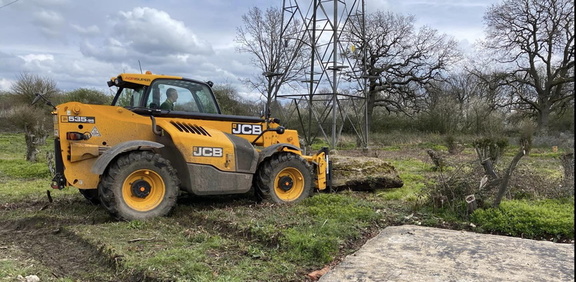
{"x": 283, "y": 178}
{"x": 139, "y": 185}
{"x": 91, "y": 195}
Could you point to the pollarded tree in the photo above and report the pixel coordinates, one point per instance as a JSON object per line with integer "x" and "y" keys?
{"x": 34, "y": 120}
{"x": 400, "y": 59}
{"x": 534, "y": 39}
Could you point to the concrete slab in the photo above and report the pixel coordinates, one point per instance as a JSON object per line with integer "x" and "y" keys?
{"x": 416, "y": 253}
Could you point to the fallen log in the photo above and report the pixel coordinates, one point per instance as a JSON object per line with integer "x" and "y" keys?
{"x": 363, "y": 174}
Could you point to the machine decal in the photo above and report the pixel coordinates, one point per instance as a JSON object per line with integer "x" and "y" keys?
{"x": 207, "y": 151}
{"x": 78, "y": 119}
{"x": 246, "y": 129}
{"x": 95, "y": 132}
{"x": 136, "y": 78}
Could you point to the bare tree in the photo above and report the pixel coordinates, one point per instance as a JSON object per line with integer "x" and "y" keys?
{"x": 27, "y": 85}
{"x": 534, "y": 39}
{"x": 34, "y": 120}
{"x": 400, "y": 59}
{"x": 281, "y": 61}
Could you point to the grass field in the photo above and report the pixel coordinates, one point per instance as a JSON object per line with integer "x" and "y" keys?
{"x": 231, "y": 238}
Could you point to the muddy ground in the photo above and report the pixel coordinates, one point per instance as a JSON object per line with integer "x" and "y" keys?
{"x": 43, "y": 241}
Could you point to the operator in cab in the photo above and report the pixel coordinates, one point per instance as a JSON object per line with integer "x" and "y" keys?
{"x": 171, "y": 97}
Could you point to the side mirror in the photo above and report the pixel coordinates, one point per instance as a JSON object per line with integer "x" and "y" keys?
{"x": 41, "y": 97}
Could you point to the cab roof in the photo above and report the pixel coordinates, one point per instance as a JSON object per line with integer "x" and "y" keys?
{"x": 144, "y": 79}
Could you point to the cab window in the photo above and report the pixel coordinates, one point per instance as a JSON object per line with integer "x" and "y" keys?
{"x": 181, "y": 95}
{"x": 131, "y": 98}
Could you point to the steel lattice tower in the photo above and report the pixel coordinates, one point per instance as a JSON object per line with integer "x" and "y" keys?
{"x": 320, "y": 27}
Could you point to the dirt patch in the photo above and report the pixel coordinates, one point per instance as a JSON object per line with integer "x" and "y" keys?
{"x": 47, "y": 242}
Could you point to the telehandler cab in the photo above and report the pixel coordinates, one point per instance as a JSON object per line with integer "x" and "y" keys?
{"x": 136, "y": 155}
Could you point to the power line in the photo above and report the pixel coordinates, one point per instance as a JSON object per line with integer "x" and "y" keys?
{"x": 9, "y": 4}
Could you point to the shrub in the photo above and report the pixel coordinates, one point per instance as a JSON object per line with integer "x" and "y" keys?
{"x": 454, "y": 146}
{"x": 490, "y": 148}
{"x": 449, "y": 193}
{"x": 544, "y": 219}
{"x": 527, "y": 183}
{"x": 87, "y": 96}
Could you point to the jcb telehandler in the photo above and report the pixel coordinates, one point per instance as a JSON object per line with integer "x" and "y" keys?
{"x": 163, "y": 134}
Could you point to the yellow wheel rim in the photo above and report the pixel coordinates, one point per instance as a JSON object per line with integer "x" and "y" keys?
{"x": 143, "y": 190}
{"x": 289, "y": 184}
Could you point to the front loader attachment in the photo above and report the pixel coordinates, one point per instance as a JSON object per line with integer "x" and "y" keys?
{"x": 321, "y": 169}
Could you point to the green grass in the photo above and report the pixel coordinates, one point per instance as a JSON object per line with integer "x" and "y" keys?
{"x": 414, "y": 174}
{"x": 272, "y": 244}
{"x": 336, "y": 219}
{"x": 21, "y": 180}
{"x": 12, "y": 146}
{"x": 230, "y": 238}
{"x": 16, "y": 190}
{"x": 163, "y": 249}
{"x": 22, "y": 169}
{"x": 542, "y": 219}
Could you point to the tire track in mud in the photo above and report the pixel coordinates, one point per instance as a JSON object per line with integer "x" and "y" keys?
{"x": 49, "y": 241}
{"x": 223, "y": 228}
{"x": 46, "y": 240}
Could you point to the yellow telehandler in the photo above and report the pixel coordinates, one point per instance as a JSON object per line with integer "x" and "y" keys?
{"x": 165, "y": 134}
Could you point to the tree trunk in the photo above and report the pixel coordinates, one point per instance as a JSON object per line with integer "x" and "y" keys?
{"x": 506, "y": 178}
{"x": 543, "y": 119}
{"x": 568, "y": 164}
{"x": 370, "y": 105}
{"x": 34, "y": 135}
{"x": 31, "y": 148}
{"x": 489, "y": 169}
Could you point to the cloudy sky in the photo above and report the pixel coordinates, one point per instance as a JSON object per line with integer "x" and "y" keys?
{"x": 80, "y": 43}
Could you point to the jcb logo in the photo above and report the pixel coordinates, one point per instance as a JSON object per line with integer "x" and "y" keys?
{"x": 246, "y": 129}
{"x": 207, "y": 152}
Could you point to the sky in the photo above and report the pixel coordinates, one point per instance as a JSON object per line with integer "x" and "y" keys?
{"x": 82, "y": 44}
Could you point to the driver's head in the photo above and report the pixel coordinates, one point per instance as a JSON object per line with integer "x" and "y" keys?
{"x": 172, "y": 94}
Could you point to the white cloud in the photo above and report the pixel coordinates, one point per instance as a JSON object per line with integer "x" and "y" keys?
{"x": 5, "y": 84}
{"x": 154, "y": 32}
{"x": 150, "y": 36}
{"x": 43, "y": 64}
{"x": 30, "y": 58}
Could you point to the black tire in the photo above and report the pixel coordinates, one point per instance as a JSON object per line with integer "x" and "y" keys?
{"x": 283, "y": 178}
{"x": 139, "y": 185}
{"x": 91, "y": 195}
